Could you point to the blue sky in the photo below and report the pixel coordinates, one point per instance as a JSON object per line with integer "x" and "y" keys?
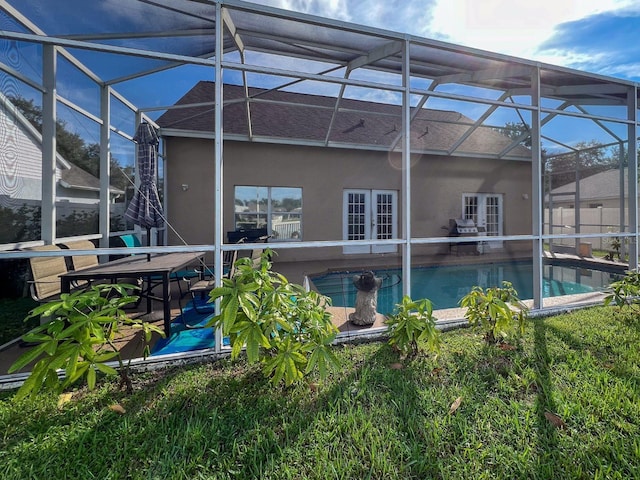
{"x": 599, "y": 36}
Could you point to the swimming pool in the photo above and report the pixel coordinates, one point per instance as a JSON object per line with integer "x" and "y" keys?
{"x": 445, "y": 286}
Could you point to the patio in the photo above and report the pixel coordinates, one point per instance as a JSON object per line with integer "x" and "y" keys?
{"x": 199, "y": 342}
{"x": 352, "y": 146}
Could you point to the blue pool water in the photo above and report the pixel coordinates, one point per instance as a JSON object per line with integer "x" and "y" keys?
{"x": 445, "y": 286}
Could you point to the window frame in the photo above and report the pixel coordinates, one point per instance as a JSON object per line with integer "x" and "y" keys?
{"x": 269, "y": 212}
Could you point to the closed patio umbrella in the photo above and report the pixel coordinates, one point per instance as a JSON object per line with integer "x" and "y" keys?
{"x": 145, "y": 208}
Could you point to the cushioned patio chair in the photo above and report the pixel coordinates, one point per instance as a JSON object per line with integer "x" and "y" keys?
{"x": 132, "y": 241}
{"x": 207, "y": 282}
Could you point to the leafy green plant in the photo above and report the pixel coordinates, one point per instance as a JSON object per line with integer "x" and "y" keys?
{"x": 625, "y": 292}
{"x": 412, "y": 326}
{"x": 616, "y": 244}
{"x": 496, "y": 310}
{"x": 279, "y": 324}
{"x": 79, "y": 339}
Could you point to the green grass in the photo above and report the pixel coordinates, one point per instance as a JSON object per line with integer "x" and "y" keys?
{"x": 12, "y": 314}
{"x": 222, "y": 420}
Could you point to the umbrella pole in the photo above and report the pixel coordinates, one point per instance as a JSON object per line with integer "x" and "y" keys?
{"x": 148, "y": 243}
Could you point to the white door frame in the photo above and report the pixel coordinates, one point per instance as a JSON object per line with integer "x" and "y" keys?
{"x": 372, "y": 211}
{"x": 489, "y": 214}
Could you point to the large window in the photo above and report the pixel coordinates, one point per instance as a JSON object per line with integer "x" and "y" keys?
{"x": 278, "y": 209}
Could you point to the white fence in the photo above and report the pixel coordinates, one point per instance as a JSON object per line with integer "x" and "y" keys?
{"x": 592, "y": 220}
{"x": 286, "y": 230}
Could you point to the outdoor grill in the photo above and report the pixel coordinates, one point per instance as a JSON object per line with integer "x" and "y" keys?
{"x": 463, "y": 227}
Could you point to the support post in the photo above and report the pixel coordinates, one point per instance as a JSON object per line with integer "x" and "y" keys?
{"x": 536, "y": 190}
{"x": 105, "y": 165}
{"x": 48, "y": 203}
{"x": 218, "y": 161}
{"x": 632, "y": 114}
{"x": 406, "y": 171}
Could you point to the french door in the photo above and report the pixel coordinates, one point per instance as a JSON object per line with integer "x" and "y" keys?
{"x": 485, "y": 209}
{"x": 369, "y": 215}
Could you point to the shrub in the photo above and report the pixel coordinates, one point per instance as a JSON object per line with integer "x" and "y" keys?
{"x": 496, "y": 310}
{"x": 79, "y": 338}
{"x": 625, "y": 292}
{"x": 280, "y": 324}
{"x": 412, "y": 326}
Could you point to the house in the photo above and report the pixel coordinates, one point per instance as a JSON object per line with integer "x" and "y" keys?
{"x": 593, "y": 205}
{"x": 599, "y": 190}
{"x": 334, "y": 173}
{"x": 21, "y": 170}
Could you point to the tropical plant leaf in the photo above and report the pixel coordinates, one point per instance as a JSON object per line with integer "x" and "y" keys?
{"x": 27, "y": 357}
{"x": 91, "y": 378}
{"x": 81, "y": 369}
{"x": 323, "y": 358}
{"x": 106, "y": 369}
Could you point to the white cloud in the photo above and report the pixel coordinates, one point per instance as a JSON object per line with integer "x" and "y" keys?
{"x": 514, "y": 27}
{"x": 337, "y": 9}
{"x": 628, "y": 70}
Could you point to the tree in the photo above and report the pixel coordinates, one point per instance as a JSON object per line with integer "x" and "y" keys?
{"x": 517, "y": 131}
{"x": 590, "y": 157}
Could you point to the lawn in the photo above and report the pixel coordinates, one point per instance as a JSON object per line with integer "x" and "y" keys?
{"x": 565, "y": 403}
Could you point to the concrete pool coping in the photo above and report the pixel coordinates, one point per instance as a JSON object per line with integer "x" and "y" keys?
{"x": 452, "y": 318}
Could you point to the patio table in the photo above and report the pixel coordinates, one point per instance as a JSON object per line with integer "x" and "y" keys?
{"x": 158, "y": 265}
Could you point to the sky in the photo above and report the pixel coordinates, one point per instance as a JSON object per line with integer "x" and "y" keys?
{"x": 599, "y": 36}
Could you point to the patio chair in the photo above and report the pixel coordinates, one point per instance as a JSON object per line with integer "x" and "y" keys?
{"x": 132, "y": 241}
{"x": 80, "y": 262}
{"x": 207, "y": 282}
{"x": 256, "y": 253}
{"x": 45, "y": 274}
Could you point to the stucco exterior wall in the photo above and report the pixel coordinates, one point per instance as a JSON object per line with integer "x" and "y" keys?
{"x": 323, "y": 174}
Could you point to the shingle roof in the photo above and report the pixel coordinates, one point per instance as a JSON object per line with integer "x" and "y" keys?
{"x": 602, "y": 185}
{"x": 283, "y": 114}
{"x": 76, "y": 177}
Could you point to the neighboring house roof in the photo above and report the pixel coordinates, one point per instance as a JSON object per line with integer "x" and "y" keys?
{"x": 287, "y": 115}
{"x": 76, "y": 178}
{"x": 601, "y": 186}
